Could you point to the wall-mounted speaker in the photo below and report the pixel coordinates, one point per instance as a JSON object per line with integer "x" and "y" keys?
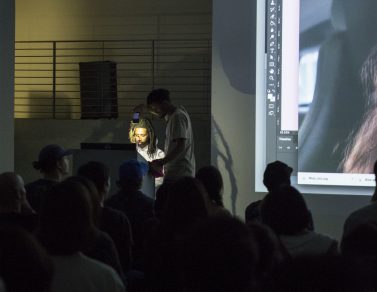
{"x": 98, "y": 87}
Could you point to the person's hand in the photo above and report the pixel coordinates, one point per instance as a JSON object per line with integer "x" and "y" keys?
{"x": 156, "y": 168}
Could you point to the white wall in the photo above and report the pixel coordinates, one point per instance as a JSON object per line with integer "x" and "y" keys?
{"x": 233, "y": 113}
{"x": 233, "y": 103}
{"x": 7, "y": 28}
{"x": 112, "y": 19}
{"x": 109, "y": 20}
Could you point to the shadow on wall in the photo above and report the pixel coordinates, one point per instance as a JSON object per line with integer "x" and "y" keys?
{"x": 225, "y": 156}
{"x": 117, "y": 132}
{"x": 238, "y": 60}
{"x": 39, "y": 105}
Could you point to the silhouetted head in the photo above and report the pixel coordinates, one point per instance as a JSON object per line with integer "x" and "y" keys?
{"x": 24, "y": 263}
{"x": 221, "y": 256}
{"x": 276, "y": 174}
{"x": 99, "y": 174}
{"x": 12, "y": 191}
{"x": 158, "y": 102}
{"x": 51, "y": 158}
{"x": 186, "y": 203}
{"x": 285, "y": 211}
{"x": 212, "y": 180}
{"x": 270, "y": 250}
{"x": 94, "y": 197}
{"x": 66, "y": 220}
{"x": 361, "y": 241}
{"x": 131, "y": 173}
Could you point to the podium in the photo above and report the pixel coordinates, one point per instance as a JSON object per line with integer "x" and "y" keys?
{"x": 112, "y": 155}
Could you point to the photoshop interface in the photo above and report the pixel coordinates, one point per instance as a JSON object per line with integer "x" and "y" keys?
{"x": 281, "y": 144}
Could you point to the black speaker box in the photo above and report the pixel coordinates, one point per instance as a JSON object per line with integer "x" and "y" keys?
{"x": 98, "y": 87}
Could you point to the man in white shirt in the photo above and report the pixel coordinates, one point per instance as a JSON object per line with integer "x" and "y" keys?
{"x": 179, "y": 157}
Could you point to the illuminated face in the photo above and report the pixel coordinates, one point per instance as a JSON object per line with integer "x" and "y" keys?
{"x": 63, "y": 165}
{"x": 141, "y": 137}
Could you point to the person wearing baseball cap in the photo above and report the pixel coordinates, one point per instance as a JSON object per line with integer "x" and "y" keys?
{"x": 130, "y": 200}
{"x": 276, "y": 174}
{"x": 132, "y": 171}
{"x": 53, "y": 163}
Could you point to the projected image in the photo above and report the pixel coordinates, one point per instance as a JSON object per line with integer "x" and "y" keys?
{"x": 361, "y": 151}
{"x": 318, "y": 93}
{"x": 338, "y": 97}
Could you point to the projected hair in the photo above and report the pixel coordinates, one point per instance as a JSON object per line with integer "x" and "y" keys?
{"x": 361, "y": 151}
{"x": 144, "y": 123}
{"x": 369, "y": 78}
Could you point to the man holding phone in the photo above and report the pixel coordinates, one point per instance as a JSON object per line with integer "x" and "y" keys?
{"x": 179, "y": 157}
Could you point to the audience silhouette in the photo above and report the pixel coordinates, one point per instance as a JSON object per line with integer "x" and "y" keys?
{"x": 184, "y": 241}
{"x": 53, "y": 164}
{"x": 67, "y": 231}
{"x": 271, "y": 253}
{"x": 102, "y": 248}
{"x": 112, "y": 221}
{"x": 276, "y": 174}
{"x": 186, "y": 204}
{"x": 221, "y": 256}
{"x": 317, "y": 273}
{"x": 360, "y": 246}
{"x": 363, "y": 215}
{"x": 24, "y": 264}
{"x": 14, "y": 206}
{"x": 137, "y": 206}
{"x": 285, "y": 211}
{"x": 212, "y": 180}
